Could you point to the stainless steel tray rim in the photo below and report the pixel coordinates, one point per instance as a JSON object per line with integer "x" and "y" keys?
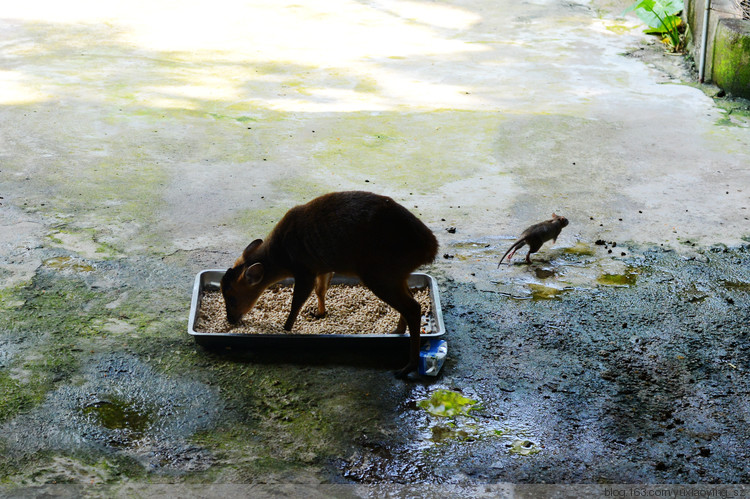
{"x": 213, "y": 276}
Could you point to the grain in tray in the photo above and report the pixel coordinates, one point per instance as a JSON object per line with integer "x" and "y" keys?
{"x": 351, "y": 309}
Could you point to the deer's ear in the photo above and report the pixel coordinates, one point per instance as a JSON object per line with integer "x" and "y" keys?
{"x": 253, "y": 274}
{"x": 251, "y": 249}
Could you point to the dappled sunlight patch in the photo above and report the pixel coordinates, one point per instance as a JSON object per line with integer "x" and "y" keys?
{"x": 432, "y": 14}
{"x": 17, "y": 88}
{"x": 175, "y": 55}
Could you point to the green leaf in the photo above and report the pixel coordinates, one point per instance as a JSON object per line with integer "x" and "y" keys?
{"x": 642, "y": 4}
{"x": 649, "y": 17}
{"x": 654, "y": 12}
{"x": 671, "y": 22}
{"x": 672, "y": 7}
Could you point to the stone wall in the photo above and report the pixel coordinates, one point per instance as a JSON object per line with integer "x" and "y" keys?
{"x": 728, "y": 49}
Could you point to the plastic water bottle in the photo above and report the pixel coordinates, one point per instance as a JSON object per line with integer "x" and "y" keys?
{"x": 431, "y": 356}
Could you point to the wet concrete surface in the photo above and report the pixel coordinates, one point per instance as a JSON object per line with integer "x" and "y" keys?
{"x": 610, "y": 383}
{"x": 131, "y": 160}
{"x": 636, "y": 383}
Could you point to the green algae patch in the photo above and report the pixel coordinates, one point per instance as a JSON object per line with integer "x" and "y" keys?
{"x": 367, "y": 85}
{"x": 447, "y": 403}
{"x": 416, "y": 151}
{"x": 52, "y": 323}
{"x": 73, "y": 470}
{"x": 542, "y": 292}
{"x": 9, "y": 299}
{"x": 618, "y": 29}
{"x": 293, "y": 191}
{"x": 17, "y": 396}
{"x": 116, "y": 413}
{"x": 580, "y": 249}
{"x": 82, "y": 241}
{"x": 259, "y": 222}
{"x": 60, "y": 308}
{"x": 244, "y": 119}
{"x": 280, "y": 415}
{"x": 731, "y": 56}
{"x": 737, "y": 286}
{"x": 457, "y": 421}
{"x": 68, "y": 263}
{"x": 116, "y": 409}
{"x": 625, "y": 279}
{"x": 31, "y": 376}
{"x": 110, "y": 195}
{"x": 735, "y": 117}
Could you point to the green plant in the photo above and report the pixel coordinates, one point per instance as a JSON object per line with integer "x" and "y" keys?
{"x": 662, "y": 18}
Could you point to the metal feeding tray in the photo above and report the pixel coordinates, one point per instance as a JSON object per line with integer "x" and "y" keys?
{"x": 208, "y": 280}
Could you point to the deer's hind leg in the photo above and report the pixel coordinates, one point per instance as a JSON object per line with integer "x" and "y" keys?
{"x": 322, "y": 283}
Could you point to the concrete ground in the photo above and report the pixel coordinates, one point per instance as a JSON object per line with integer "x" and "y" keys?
{"x": 142, "y": 142}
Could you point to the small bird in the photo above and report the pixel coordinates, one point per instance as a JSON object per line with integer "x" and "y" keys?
{"x": 536, "y": 235}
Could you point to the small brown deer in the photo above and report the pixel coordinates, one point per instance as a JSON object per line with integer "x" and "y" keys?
{"x": 351, "y": 233}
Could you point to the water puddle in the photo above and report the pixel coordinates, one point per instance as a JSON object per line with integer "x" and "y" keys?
{"x": 443, "y": 433}
{"x": 453, "y": 417}
{"x": 123, "y": 407}
{"x": 523, "y": 447}
{"x": 574, "y": 268}
{"x": 125, "y": 418}
{"x": 471, "y": 250}
{"x": 695, "y": 294}
{"x": 544, "y": 273}
{"x": 544, "y": 285}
